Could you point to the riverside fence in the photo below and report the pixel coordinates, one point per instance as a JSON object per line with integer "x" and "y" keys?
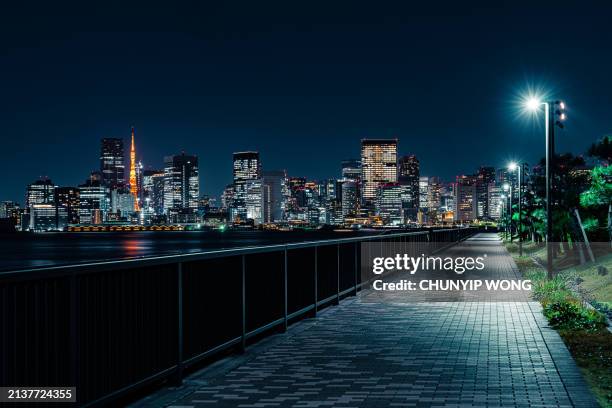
{"x": 111, "y": 328}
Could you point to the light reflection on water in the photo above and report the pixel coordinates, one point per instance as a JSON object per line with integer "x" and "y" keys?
{"x": 20, "y": 251}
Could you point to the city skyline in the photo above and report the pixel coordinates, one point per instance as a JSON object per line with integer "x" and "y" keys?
{"x": 159, "y": 165}
{"x": 213, "y": 80}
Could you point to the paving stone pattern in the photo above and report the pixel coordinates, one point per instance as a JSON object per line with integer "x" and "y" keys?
{"x": 386, "y": 354}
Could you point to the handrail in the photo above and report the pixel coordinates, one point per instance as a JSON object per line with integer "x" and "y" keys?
{"x": 210, "y": 254}
{"x": 173, "y": 293}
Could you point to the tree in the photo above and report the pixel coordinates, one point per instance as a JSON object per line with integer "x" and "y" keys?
{"x": 602, "y": 150}
{"x": 599, "y": 194}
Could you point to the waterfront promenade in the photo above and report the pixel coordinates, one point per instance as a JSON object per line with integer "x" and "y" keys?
{"x": 368, "y": 353}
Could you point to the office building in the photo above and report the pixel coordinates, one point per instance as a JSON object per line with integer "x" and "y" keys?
{"x": 408, "y": 178}
{"x": 389, "y": 204}
{"x": 379, "y": 166}
{"x": 465, "y": 198}
{"x": 246, "y": 166}
{"x": 423, "y": 193}
{"x": 112, "y": 164}
{"x": 122, "y": 203}
{"x": 43, "y": 217}
{"x": 67, "y": 202}
{"x": 495, "y": 201}
{"x": 227, "y": 197}
{"x": 94, "y": 201}
{"x": 486, "y": 176}
{"x": 181, "y": 187}
{"x": 351, "y": 169}
{"x": 274, "y": 191}
{"x": 255, "y": 201}
{"x": 41, "y": 191}
{"x": 12, "y": 211}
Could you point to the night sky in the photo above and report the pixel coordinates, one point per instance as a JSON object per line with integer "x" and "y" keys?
{"x": 300, "y": 83}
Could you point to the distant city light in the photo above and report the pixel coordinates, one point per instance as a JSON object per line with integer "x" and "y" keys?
{"x": 512, "y": 166}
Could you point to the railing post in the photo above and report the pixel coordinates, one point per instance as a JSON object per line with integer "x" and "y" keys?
{"x": 285, "y": 291}
{"x": 243, "y": 304}
{"x": 179, "y": 360}
{"x": 316, "y": 281}
{"x": 337, "y": 302}
{"x": 74, "y": 336}
{"x": 356, "y": 249}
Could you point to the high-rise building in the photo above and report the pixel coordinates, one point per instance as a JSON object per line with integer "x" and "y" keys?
{"x": 351, "y": 169}
{"x": 379, "y": 166}
{"x": 465, "y": 198}
{"x": 255, "y": 201}
{"x": 181, "y": 186}
{"x": 246, "y": 167}
{"x": 227, "y": 197}
{"x": 67, "y": 201}
{"x": 350, "y": 198}
{"x": 112, "y": 164}
{"x": 486, "y": 176}
{"x": 389, "y": 204}
{"x": 423, "y": 193}
{"x": 7, "y": 207}
{"x": 43, "y": 217}
{"x": 122, "y": 203}
{"x": 133, "y": 180}
{"x": 274, "y": 185}
{"x": 408, "y": 178}
{"x": 11, "y": 210}
{"x": 495, "y": 201}
{"x": 41, "y": 191}
{"x": 94, "y": 200}
{"x": 434, "y": 193}
{"x": 153, "y": 190}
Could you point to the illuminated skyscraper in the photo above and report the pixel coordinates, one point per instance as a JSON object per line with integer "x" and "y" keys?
{"x": 181, "y": 187}
{"x": 389, "y": 204}
{"x": 274, "y": 185}
{"x": 94, "y": 200}
{"x": 408, "y": 178}
{"x": 465, "y": 198}
{"x": 423, "y": 193}
{"x": 41, "y": 191}
{"x": 379, "y": 165}
{"x": 67, "y": 201}
{"x": 246, "y": 167}
{"x": 133, "y": 182}
{"x": 486, "y": 176}
{"x": 112, "y": 164}
{"x": 351, "y": 169}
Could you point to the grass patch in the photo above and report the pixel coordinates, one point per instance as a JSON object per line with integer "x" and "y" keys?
{"x": 582, "y": 329}
{"x": 593, "y": 354}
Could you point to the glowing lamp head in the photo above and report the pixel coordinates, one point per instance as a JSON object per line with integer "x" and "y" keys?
{"x": 562, "y": 116}
{"x": 562, "y": 105}
{"x": 506, "y": 186}
{"x": 512, "y": 166}
{"x": 532, "y": 103}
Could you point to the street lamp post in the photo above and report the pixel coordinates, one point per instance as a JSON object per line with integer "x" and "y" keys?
{"x": 502, "y": 215}
{"x": 508, "y": 187}
{"x": 513, "y": 166}
{"x": 552, "y": 110}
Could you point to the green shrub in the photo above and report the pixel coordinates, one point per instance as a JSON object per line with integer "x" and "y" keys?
{"x": 545, "y": 288}
{"x": 566, "y": 313}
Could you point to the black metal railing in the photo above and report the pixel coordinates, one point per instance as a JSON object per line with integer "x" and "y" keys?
{"x": 109, "y": 328}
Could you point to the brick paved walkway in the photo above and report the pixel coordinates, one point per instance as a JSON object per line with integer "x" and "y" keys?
{"x": 386, "y": 354}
